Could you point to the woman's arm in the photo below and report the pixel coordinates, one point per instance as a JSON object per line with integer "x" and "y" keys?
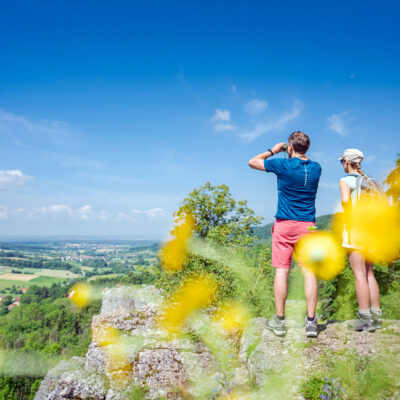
{"x": 345, "y": 194}
{"x": 344, "y": 191}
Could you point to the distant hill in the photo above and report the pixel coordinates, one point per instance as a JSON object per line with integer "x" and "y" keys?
{"x": 264, "y": 232}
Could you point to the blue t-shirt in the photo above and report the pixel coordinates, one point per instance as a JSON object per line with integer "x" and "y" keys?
{"x": 297, "y": 187}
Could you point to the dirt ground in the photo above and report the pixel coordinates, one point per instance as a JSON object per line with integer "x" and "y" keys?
{"x": 18, "y": 277}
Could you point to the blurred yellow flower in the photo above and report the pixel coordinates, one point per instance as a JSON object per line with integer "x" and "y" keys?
{"x": 375, "y": 228}
{"x": 321, "y": 254}
{"x": 80, "y": 294}
{"x": 232, "y": 317}
{"x": 173, "y": 253}
{"x": 233, "y": 396}
{"x": 194, "y": 294}
{"x": 104, "y": 336}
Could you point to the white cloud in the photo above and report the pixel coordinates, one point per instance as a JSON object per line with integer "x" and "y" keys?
{"x": 221, "y": 115}
{"x": 337, "y": 123}
{"x": 124, "y": 217}
{"x": 12, "y": 123}
{"x": 85, "y": 212}
{"x": 155, "y": 212}
{"x": 274, "y": 125}
{"x": 255, "y": 107}
{"x": 10, "y": 178}
{"x": 67, "y": 161}
{"x": 3, "y": 212}
{"x": 224, "y": 127}
{"x": 103, "y": 216}
{"x": 56, "y": 209}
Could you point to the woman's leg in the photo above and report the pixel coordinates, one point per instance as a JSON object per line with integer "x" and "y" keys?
{"x": 359, "y": 268}
{"x": 373, "y": 286}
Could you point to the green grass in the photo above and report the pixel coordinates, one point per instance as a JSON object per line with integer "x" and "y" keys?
{"x": 53, "y": 273}
{"x": 40, "y": 281}
{"x": 45, "y": 281}
{"x": 95, "y": 277}
{"x": 4, "y": 269}
{"x": 362, "y": 377}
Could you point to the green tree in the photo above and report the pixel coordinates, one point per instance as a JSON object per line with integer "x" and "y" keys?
{"x": 219, "y": 216}
{"x": 393, "y": 182}
{"x": 7, "y": 300}
{"x": 223, "y": 222}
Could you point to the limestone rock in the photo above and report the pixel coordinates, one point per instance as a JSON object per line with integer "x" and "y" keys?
{"x": 70, "y": 380}
{"x": 129, "y": 352}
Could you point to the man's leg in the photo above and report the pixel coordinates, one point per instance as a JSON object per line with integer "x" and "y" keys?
{"x": 311, "y": 292}
{"x": 282, "y": 251}
{"x": 280, "y": 290}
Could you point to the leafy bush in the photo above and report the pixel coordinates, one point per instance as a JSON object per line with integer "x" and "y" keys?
{"x": 312, "y": 388}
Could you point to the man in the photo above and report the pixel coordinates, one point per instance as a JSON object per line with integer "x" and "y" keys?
{"x": 298, "y": 179}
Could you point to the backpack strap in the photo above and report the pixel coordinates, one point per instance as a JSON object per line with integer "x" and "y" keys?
{"x": 359, "y": 180}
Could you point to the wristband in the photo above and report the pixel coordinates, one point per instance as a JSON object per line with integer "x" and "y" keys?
{"x": 272, "y": 153}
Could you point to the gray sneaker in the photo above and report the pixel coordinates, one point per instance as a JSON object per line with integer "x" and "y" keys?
{"x": 311, "y": 328}
{"x": 277, "y": 326}
{"x": 363, "y": 323}
{"x": 377, "y": 317}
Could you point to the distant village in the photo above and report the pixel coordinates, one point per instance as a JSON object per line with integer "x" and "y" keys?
{"x": 16, "y": 300}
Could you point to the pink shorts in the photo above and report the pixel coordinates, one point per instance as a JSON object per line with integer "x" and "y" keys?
{"x": 285, "y": 234}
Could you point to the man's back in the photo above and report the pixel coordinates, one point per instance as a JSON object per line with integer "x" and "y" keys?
{"x": 297, "y": 187}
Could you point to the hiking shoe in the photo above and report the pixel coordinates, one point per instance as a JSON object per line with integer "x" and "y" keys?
{"x": 311, "y": 328}
{"x": 377, "y": 318}
{"x": 363, "y": 323}
{"x": 277, "y": 326}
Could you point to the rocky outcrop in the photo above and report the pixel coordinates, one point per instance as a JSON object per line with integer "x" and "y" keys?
{"x": 128, "y": 351}
{"x": 264, "y": 354}
{"x": 130, "y": 356}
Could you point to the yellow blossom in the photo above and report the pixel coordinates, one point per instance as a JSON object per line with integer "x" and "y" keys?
{"x": 173, "y": 253}
{"x": 320, "y": 253}
{"x": 232, "y": 317}
{"x": 375, "y": 228}
{"x": 194, "y": 294}
{"x": 80, "y": 294}
{"x": 104, "y": 336}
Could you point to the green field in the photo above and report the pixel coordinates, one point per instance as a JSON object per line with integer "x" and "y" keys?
{"x": 40, "y": 281}
{"x": 4, "y": 269}
{"x": 93, "y": 278}
{"x": 53, "y": 273}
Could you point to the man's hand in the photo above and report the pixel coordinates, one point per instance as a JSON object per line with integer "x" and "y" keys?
{"x": 278, "y": 147}
{"x": 257, "y": 162}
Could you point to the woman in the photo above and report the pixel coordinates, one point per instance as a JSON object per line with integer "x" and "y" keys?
{"x": 369, "y": 313}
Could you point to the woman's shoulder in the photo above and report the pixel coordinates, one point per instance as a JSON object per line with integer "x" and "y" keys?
{"x": 350, "y": 179}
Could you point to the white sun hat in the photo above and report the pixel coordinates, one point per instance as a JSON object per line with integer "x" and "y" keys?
{"x": 355, "y": 156}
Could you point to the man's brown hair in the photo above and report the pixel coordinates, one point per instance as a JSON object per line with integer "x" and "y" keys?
{"x": 300, "y": 142}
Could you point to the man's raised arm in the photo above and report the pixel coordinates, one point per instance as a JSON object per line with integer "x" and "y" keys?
{"x": 257, "y": 162}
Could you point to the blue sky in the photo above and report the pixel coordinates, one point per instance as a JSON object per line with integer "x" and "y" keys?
{"x": 111, "y": 112}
